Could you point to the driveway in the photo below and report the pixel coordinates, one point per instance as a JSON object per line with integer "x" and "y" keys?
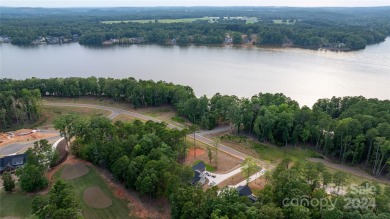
{"x": 251, "y": 178}
{"x": 222, "y": 177}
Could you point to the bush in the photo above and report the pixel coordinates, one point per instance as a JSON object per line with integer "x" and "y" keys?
{"x": 8, "y": 182}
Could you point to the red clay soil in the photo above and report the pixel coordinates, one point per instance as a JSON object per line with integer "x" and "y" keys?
{"x": 141, "y": 207}
{"x": 196, "y": 152}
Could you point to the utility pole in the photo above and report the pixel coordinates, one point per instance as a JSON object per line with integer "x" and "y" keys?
{"x": 194, "y": 136}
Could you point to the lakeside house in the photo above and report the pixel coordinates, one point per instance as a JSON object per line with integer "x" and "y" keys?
{"x": 10, "y": 163}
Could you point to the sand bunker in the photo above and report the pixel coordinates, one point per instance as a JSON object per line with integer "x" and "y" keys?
{"x": 74, "y": 171}
{"x": 96, "y": 198}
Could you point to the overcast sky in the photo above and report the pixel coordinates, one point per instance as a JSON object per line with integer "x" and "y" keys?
{"x": 116, "y": 3}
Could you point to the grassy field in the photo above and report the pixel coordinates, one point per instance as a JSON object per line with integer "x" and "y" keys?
{"x": 165, "y": 21}
{"x": 16, "y": 204}
{"x": 163, "y": 113}
{"x": 118, "y": 209}
{"x": 49, "y": 113}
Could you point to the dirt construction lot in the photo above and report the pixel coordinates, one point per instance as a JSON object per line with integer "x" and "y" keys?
{"x": 29, "y": 135}
{"x": 224, "y": 162}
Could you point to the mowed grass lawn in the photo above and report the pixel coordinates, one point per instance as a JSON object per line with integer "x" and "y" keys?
{"x": 118, "y": 209}
{"x": 16, "y": 204}
{"x": 165, "y": 21}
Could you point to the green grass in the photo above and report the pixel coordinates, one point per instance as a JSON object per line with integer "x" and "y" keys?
{"x": 118, "y": 209}
{"x": 276, "y": 154}
{"x": 208, "y": 166}
{"x": 50, "y": 113}
{"x": 165, "y": 21}
{"x": 16, "y": 204}
{"x": 178, "y": 119}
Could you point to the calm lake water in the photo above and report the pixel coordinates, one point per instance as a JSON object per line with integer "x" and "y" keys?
{"x": 303, "y": 75}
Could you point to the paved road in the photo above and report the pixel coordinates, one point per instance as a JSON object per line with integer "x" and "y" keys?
{"x": 217, "y": 130}
{"x": 19, "y": 146}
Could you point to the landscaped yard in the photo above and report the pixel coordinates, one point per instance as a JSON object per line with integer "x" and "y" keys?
{"x": 16, "y": 204}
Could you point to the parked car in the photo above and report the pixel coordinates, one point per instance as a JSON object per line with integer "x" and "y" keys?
{"x": 212, "y": 183}
{"x": 213, "y": 176}
{"x": 207, "y": 173}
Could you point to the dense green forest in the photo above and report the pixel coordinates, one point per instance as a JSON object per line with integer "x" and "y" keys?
{"x": 353, "y": 130}
{"x": 332, "y": 28}
{"x": 18, "y": 107}
{"x": 143, "y": 156}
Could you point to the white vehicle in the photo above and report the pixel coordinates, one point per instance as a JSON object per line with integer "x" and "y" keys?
{"x": 212, "y": 183}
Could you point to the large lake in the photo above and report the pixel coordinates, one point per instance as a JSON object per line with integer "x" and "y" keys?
{"x": 303, "y": 75}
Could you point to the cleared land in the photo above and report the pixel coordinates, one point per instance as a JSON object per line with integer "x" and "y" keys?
{"x": 163, "y": 113}
{"x": 96, "y": 198}
{"x": 49, "y": 113}
{"x": 223, "y": 163}
{"x": 74, "y": 171}
{"x": 6, "y": 139}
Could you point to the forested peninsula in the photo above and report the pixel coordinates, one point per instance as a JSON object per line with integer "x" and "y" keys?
{"x": 336, "y": 29}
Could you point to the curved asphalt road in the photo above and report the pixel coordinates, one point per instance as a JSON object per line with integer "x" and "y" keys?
{"x": 14, "y": 148}
{"x": 20, "y": 146}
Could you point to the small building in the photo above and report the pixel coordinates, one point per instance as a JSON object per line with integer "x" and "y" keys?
{"x": 246, "y": 191}
{"x": 199, "y": 166}
{"x": 10, "y": 163}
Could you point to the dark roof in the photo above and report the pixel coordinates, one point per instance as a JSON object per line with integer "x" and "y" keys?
{"x": 252, "y": 198}
{"x": 199, "y": 166}
{"x": 244, "y": 190}
{"x": 12, "y": 161}
{"x": 17, "y": 160}
{"x": 196, "y": 178}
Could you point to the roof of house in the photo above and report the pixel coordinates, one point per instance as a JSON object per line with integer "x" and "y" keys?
{"x": 196, "y": 178}
{"x": 12, "y": 161}
{"x": 244, "y": 190}
{"x": 199, "y": 166}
